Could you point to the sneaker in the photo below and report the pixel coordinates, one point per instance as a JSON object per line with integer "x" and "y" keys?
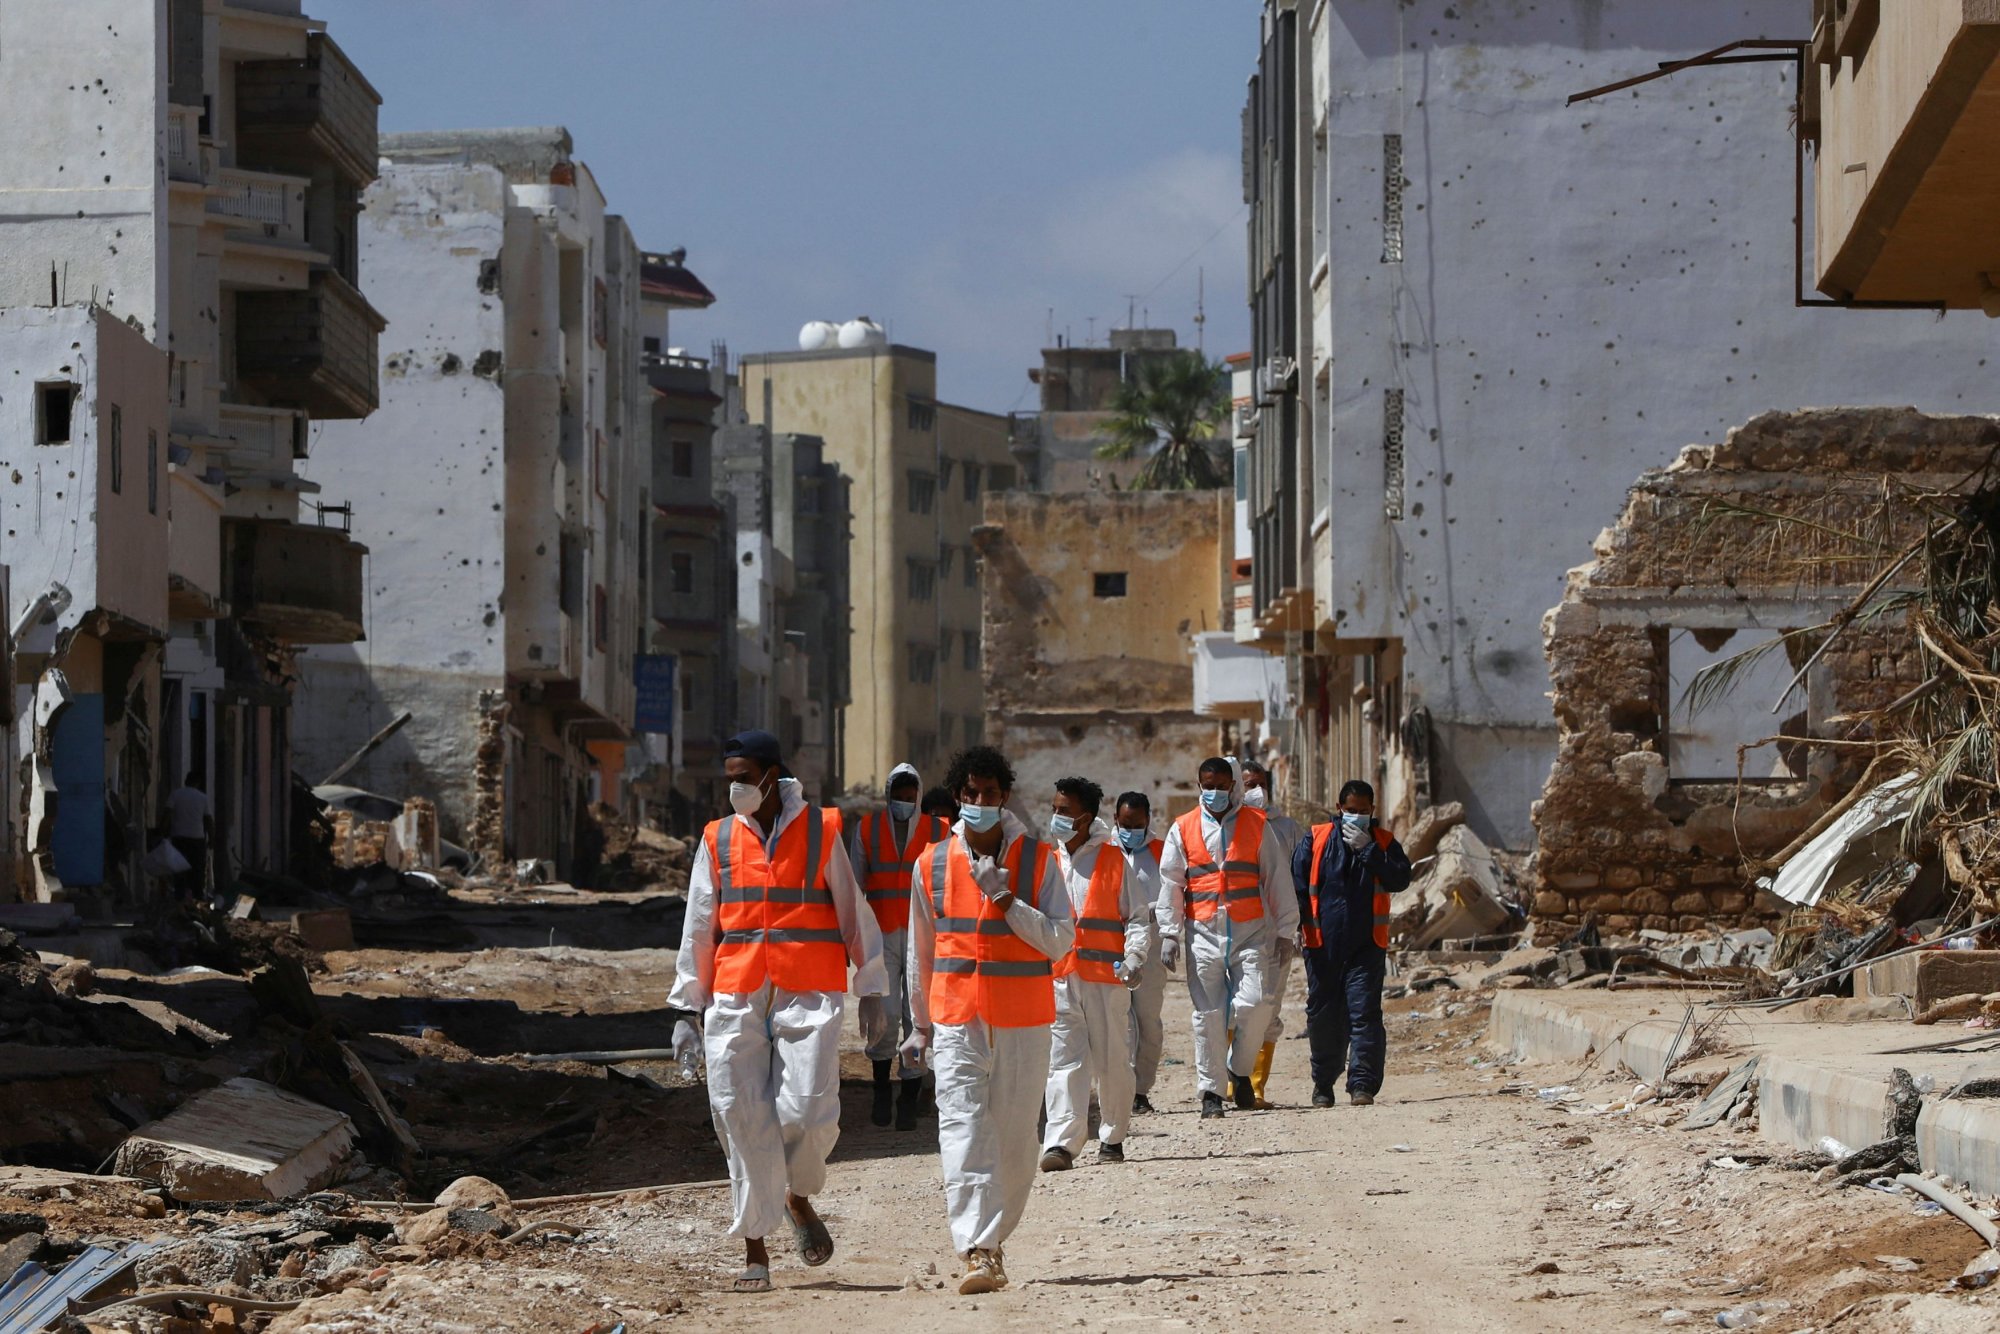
{"x": 1360, "y": 1100}
{"x": 1211, "y": 1107}
{"x": 982, "y": 1274}
{"x": 1322, "y": 1096}
{"x": 996, "y": 1264}
{"x": 1141, "y": 1105}
{"x": 1246, "y": 1097}
{"x": 1111, "y": 1153}
{"x": 1057, "y": 1159}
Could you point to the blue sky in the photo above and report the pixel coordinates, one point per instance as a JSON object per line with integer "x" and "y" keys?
{"x": 952, "y": 168}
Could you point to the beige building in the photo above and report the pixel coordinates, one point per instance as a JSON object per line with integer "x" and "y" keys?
{"x": 1093, "y": 604}
{"x": 1907, "y": 119}
{"x": 919, "y": 470}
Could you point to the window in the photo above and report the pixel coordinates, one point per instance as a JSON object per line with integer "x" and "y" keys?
{"x": 971, "y": 651}
{"x": 687, "y": 689}
{"x": 944, "y": 472}
{"x": 1109, "y": 585}
{"x": 152, "y": 472}
{"x": 1392, "y": 199}
{"x": 971, "y": 482}
{"x": 569, "y": 575}
{"x": 681, "y": 571}
{"x": 683, "y": 458}
{"x": 650, "y": 345}
{"x": 923, "y": 491}
{"x": 923, "y": 416}
{"x": 944, "y": 731}
{"x": 923, "y": 580}
{"x": 117, "y": 449}
{"x": 924, "y": 748}
{"x": 600, "y": 616}
{"x": 944, "y": 646}
{"x": 923, "y": 664}
{"x": 945, "y": 550}
{"x": 1703, "y": 734}
{"x": 1392, "y": 453}
{"x": 971, "y": 568}
{"x": 975, "y": 730}
{"x": 54, "y": 404}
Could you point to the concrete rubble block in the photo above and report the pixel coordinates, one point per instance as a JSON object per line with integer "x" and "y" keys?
{"x": 1457, "y": 896}
{"x": 242, "y": 1141}
{"x": 412, "y": 844}
{"x": 1431, "y": 826}
{"x": 1931, "y": 976}
{"x": 478, "y": 1193}
{"x": 324, "y": 928}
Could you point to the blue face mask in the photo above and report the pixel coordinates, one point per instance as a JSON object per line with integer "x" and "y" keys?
{"x": 1353, "y": 821}
{"x": 1061, "y": 828}
{"x": 1215, "y": 800}
{"x": 978, "y": 819}
{"x": 1132, "y": 839}
{"x": 903, "y": 810}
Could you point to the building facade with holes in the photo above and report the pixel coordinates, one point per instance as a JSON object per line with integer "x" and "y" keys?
{"x": 504, "y": 489}
{"x": 1479, "y": 314}
{"x": 193, "y": 168}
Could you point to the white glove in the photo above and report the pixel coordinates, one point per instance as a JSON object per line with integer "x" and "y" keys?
{"x": 874, "y": 1016}
{"x": 990, "y": 876}
{"x": 1355, "y": 836}
{"x": 1170, "y": 952}
{"x": 1288, "y": 950}
{"x": 916, "y": 1048}
{"x": 687, "y": 1046}
{"x": 1130, "y": 971}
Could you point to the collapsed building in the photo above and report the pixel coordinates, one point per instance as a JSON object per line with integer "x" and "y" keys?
{"x": 1670, "y": 783}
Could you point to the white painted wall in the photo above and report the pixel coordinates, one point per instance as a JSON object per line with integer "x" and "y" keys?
{"x": 82, "y": 186}
{"x": 1583, "y": 291}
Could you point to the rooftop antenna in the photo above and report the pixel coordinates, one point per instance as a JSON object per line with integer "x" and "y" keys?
{"x": 1049, "y": 328}
{"x": 1200, "y": 308}
{"x": 1090, "y": 332}
{"x": 1130, "y": 302}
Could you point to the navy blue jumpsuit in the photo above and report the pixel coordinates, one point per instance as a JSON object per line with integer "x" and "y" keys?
{"x": 1344, "y": 973}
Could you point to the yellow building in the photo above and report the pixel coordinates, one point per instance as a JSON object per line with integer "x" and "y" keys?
{"x": 919, "y": 470}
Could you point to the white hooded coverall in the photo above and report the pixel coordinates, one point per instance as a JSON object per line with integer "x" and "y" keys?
{"x": 1228, "y": 961}
{"x": 990, "y": 1080}
{"x": 773, "y": 1055}
{"x": 1091, "y": 1040}
{"x": 1289, "y": 832}
{"x": 1149, "y": 1037}
{"x": 895, "y": 946}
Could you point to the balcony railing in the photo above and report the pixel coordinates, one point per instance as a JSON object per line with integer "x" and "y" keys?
{"x": 259, "y": 441}
{"x": 314, "y": 349}
{"x": 183, "y": 143}
{"x": 294, "y": 114}
{"x": 270, "y": 205}
{"x": 299, "y": 583}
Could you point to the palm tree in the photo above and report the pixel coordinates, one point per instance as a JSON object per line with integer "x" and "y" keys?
{"x": 1179, "y": 403}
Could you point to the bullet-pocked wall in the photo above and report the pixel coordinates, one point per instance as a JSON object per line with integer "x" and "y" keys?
{"x": 1645, "y": 821}
{"x": 1091, "y": 603}
{"x": 1533, "y": 304}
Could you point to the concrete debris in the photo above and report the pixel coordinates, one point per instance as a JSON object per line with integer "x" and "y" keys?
{"x": 243, "y": 1141}
{"x": 1457, "y": 895}
{"x": 1430, "y": 827}
{"x": 1725, "y": 1097}
{"x": 478, "y": 1193}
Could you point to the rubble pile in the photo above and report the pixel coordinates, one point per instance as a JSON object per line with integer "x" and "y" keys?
{"x": 634, "y": 858}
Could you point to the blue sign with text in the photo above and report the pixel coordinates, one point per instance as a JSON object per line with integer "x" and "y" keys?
{"x": 653, "y": 676}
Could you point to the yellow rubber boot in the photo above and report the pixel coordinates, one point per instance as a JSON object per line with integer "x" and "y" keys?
{"x": 1229, "y": 1084}
{"x": 1260, "y": 1075}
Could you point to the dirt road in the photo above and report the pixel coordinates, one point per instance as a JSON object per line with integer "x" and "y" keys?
{"x": 1461, "y": 1201}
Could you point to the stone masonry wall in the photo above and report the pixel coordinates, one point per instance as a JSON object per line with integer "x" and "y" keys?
{"x": 1618, "y": 837}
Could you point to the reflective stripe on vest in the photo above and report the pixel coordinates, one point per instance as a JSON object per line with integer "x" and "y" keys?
{"x": 1321, "y": 836}
{"x": 1235, "y": 886}
{"x": 885, "y": 869}
{"x": 981, "y": 969}
{"x": 775, "y": 910}
{"x": 1100, "y": 922}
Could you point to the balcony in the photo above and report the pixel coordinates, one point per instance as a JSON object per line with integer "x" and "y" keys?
{"x": 314, "y": 349}
{"x": 184, "y": 144}
{"x": 299, "y": 583}
{"x": 298, "y": 114}
{"x": 270, "y": 207}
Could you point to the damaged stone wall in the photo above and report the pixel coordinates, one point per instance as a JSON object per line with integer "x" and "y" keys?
{"x": 1620, "y": 834}
{"x": 1090, "y": 604}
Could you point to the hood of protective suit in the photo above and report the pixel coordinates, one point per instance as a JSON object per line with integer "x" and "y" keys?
{"x": 1235, "y": 792}
{"x": 903, "y": 771}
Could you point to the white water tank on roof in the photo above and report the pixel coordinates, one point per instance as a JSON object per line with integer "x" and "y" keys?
{"x": 818, "y": 335}
{"x": 862, "y": 332}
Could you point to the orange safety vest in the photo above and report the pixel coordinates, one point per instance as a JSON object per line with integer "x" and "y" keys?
{"x": 1310, "y": 929}
{"x": 776, "y": 911}
{"x": 1100, "y": 922}
{"x": 1234, "y": 884}
{"x": 982, "y": 970}
{"x": 885, "y": 868}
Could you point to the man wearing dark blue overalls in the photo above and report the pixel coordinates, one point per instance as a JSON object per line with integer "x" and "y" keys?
{"x": 1345, "y": 874}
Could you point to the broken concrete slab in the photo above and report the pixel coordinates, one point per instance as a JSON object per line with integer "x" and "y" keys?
{"x": 1930, "y": 976}
{"x": 243, "y": 1141}
{"x": 1457, "y": 895}
{"x": 1430, "y": 827}
{"x": 324, "y": 928}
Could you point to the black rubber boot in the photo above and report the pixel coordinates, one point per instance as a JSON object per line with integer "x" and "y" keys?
{"x": 1246, "y": 1097}
{"x": 879, "y": 1113}
{"x": 1211, "y": 1106}
{"x": 909, "y": 1101}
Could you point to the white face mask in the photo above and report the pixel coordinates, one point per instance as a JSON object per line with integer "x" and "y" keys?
{"x": 745, "y": 798}
{"x": 903, "y": 810}
{"x": 1256, "y": 799}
